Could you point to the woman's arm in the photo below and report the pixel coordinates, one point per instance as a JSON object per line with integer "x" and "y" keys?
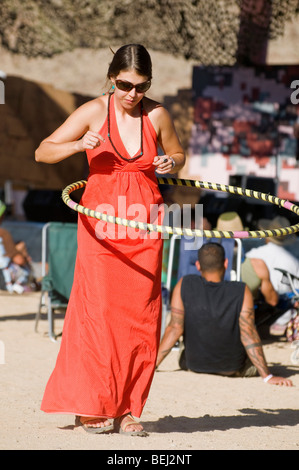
{"x": 74, "y": 135}
{"x": 169, "y": 142}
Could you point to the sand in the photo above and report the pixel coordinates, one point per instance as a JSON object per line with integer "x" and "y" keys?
{"x": 185, "y": 412}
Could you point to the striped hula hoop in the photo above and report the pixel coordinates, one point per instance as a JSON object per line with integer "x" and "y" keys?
{"x": 283, "y": 231}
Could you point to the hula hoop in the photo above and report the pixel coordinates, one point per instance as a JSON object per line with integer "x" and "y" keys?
{"x": 283, "y": 231}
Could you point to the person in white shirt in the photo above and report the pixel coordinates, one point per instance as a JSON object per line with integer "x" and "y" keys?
{"x": 276, "y": 256}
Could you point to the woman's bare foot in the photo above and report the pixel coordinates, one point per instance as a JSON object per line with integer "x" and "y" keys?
{"x": 128, "y": 425}
{"x": 94, "y": 424}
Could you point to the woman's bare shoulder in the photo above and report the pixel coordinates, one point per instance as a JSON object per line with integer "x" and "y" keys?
{"x": 151, "y": 106}
{"x": 158, "y": 115}
{"x": 95, "y": 105}
{"x": 94, "y": 111}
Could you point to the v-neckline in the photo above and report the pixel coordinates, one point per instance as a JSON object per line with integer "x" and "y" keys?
{"x": 119, "y": 136}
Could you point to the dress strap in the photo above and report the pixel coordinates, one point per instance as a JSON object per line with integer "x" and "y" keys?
{"x": 141, "y": 133}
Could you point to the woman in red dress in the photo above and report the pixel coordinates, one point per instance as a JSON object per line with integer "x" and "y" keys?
{"x": 111, "y": 332}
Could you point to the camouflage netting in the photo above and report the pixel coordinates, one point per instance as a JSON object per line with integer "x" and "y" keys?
{"x": 209, "y": 31}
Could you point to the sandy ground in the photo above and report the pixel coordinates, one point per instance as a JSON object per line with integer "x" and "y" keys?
{"x": 185, "y": 412}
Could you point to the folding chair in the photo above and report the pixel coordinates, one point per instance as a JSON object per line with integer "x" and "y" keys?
{"x": 59, "y": 249}
{"x": 292, "y": 332}
{"x": 169, "y": 274}
{"x": 186, "y": 258}
{"x": 190, "y": 247}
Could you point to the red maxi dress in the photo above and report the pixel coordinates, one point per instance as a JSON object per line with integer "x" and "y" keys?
{"x": 111, "y": 331}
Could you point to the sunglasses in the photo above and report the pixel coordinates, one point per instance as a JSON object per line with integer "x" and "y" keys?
{"x": 123, "y": 85}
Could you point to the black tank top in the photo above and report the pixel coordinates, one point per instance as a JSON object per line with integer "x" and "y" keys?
{"x": 211, "y": 332}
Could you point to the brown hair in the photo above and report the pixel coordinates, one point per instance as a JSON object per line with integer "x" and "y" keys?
{"x": 128, "y": 57}
{"x": 211, "y": 257}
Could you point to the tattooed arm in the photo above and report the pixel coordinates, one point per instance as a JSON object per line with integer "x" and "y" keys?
{"x": 175, "y": 327}
{"x": 252, "y": 343}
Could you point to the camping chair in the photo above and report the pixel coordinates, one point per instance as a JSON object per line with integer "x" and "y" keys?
{"x": 288, "y": 301}
{"x": 186, "y": 257}
{"x": 59, "y": 249}
{"x": 292, "y": 332}
{"x": 169, "y": 274}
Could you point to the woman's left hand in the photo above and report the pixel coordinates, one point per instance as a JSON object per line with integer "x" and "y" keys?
{"x": 164, "y": 164}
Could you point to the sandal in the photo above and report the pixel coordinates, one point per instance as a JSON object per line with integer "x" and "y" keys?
{"x": 122, "y": 429}
{"x": 94, "y": 429}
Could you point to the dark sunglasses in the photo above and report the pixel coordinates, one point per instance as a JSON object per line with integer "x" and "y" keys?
{"x": 123, "y": 85}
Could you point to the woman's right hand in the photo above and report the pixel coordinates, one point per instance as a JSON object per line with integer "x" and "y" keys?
{"x": 90, "y": 141}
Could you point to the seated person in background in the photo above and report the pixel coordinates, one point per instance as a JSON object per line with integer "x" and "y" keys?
{"x": 15, "y": 262}
{"x": 274, "y": 255}
{"x": 255, "y": 274}
{"x": 216, "y": 318}
{"x": 231, "y": 222}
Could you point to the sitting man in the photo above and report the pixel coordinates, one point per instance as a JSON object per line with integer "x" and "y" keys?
{"x": 216, "y": 318}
